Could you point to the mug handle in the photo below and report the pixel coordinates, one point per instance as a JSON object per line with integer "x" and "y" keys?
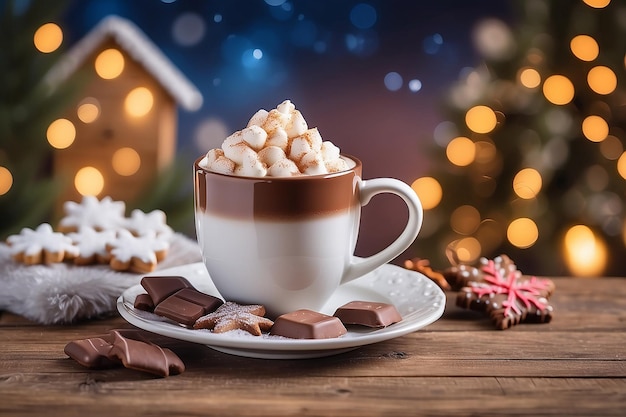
{"x": 368, "y": 189}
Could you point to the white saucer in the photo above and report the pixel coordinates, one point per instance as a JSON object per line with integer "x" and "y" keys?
{"x": 417, "y": 298}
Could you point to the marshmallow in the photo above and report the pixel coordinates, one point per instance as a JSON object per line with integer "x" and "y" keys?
{"x": 258, "y": 118}
{"x": 271, "y": 154}
{"x": 254, "y": 136}
{"x": 275, "y": 143}
{"x": 283, "y": 168}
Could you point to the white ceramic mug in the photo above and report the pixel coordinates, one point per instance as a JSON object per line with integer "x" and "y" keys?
{"x": 288, "y": 243}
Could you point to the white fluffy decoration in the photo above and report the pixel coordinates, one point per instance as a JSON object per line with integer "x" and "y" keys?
{"x": 65, "y": 293}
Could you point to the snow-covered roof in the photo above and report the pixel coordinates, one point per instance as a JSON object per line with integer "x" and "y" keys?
{"x": 134, "y": 42}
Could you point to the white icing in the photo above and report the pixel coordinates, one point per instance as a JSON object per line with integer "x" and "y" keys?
{"x": 91, "y": 242}
{"x": 140, "y": 223}
{"x": 104, "y": 214}
{"x": 32, "y": 242}
{"x": 127, "y": 246}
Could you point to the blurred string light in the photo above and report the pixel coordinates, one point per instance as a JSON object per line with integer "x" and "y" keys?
{"x": 48, "y": 38}
{"x": 6, "y": 180}
{"x": 188, "y": 29}
{"x": 363, "y": 16}
{"x": 547, "y": 98}
{"x": 393, "y": 81}
{"x": 432, "y": 44}
{"x": 429, "y": 190}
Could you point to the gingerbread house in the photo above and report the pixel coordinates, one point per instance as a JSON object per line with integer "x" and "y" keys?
{"x": 121, "y": 130}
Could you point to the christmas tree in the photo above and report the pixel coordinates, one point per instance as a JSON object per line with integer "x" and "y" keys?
{"x": 531, "y": 161}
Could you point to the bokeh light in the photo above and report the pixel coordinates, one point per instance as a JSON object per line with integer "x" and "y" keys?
{"x": 621, "y": 165}
{"x": 481, "y": 119}
{"x": 363, "y": 16}
{"x": 529, "y": 78}
{"x": 522, "y": 232}
{"x": 602, "y": 80}
{"x": 527, "y": 183}
{"x": 415, "y": 85}
{"x": 466, "y": 250}
{"x": 6, "y": 180}
{"x": 188, "y": 29}
{"x": 611, "y": 148}
{"x": 597, "y": 4}
{"x": 48, "y": 38}
{"x": 126, "y": 161}
{"x": 109, "y": 64}
{"x": 585, "y": 253}
{"x": 89, "y": 181}
{"x": 558, "y": 90}
{"x": 461, "y": 151}
{"x": 61, "y": 133}
{"x": 465, "y": 220}
{"x": 429, "y": 192}
{"x": 88, "y": 110}
{"x": 139, "y": 102}
{"x": 595, "y": 128}
{"x": 393, "y": 81}
{"x": 584, "y": 47}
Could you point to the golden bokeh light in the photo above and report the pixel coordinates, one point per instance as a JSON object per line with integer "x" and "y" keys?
{"x": 481, "y": 119}
{"x": 597, "y": 4}
{"x": 139, "y": 102}
{"x": 429, "y": 191}
{"x": 527, "y": 183}
{"x": 558, "y": 90}
{"x": 466, "y": 250}
{"x": 61, "y": 133}
{"x": 6, "y": 180}
{"x": 584, "y": 47}
{"x": 485, "y": 152}
{"x": 126, "y": 161}
{"x": 529, "y": 78}
{"x": 602, "y": 80}
{"x": 595, "y": 128}
{"x": 465, "y": 220}
{"x": 611, "y": 148}
{"x": 621, "y": 165}
{"x": 585, "y": 253}
{"x": 89, "y": 181}
{"x": 48, "y": 38}
{"x": 522, "y": 233}
{"x": 461, "y": 151}
{"x": 109, "y": 64}
{"x": 88, "y": 110}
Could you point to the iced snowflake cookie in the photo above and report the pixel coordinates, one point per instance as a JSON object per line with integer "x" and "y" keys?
{"x": 104, "y": 214}
{"x": 42, "y": 245}
{"x": 138, "y": 254}
{"x": 140, "y": 223}
{"x": 92, "y": 245}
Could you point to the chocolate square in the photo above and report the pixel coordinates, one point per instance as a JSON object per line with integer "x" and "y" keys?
{"x": 307, "y": 324}
{"x": 368, "y": 313}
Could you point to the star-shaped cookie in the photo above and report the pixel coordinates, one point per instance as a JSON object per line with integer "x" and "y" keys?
{"x": 231, "y": 316}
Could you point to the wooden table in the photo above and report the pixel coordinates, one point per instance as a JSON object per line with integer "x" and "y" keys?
{"x": 575, "y": 365}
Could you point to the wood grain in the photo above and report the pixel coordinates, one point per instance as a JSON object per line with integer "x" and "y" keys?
{"x": 459, "y": 366}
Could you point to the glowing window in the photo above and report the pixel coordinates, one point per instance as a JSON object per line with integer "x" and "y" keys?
{"x": 558, "y": 90}
{"x": 527, "y": 183}
{"x": 584, "y": 47}
{"x": 6, "y": 180}
{"x": 109, "y": 64}
{"x": 89, "y": 181}
{"x": 429, "y": 191}
{"x": 139, "y": 102}
{"x": 48, "y": 38}
{"x": 461, "y": 151}
{"x": 602, "y": 80}
{"x": 481, "y": 119}
{"x": 88, "y": 110}
{"x": 126, "y": 161}
{"x": 522, "y": 233}
{"x": 595, "y": 128}
{"x": 61, "y": 133}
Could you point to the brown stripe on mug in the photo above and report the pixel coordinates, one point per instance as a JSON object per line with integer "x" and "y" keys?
{"x": 285, "y": 198}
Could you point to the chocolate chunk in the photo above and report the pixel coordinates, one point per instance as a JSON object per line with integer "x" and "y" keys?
{"x": 145, "y": 356}
{"x": 180, "y": 310}
{"x": 307, "y": 324}
{"x": 161, "y": 287}
{"x": 92, "y": 353}
{"x": 208, "y": 302}
{"x": 368, "y": 313}
{"x": 144, "y": 302}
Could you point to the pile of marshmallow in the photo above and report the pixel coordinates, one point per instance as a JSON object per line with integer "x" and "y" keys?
{"x": 277, "y": 143}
